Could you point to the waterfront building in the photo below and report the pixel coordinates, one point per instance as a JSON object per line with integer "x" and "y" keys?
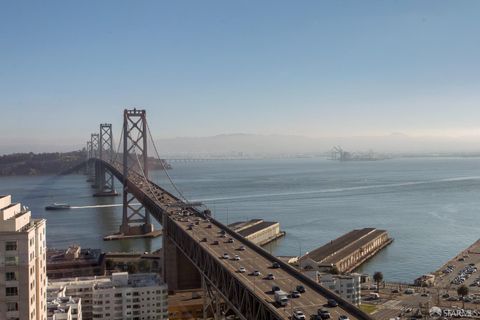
{"x": 119, "y": 296}
{"x": 347, "y": 252}
{"x": 346, "y": 286}
{"x": 74, "y": 262}
{"x": 258, "y": 231}
{"x": 23, "y": 272}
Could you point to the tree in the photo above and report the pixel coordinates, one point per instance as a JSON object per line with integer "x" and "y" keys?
{"x": 334, "y": 270}
{"x": 463, "y": 291}
{"x": 378, "y": 277}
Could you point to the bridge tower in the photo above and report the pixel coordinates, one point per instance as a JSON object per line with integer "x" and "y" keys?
{"x": 88, "y": 167}
{"x": 94, "y": 138}
{"x": 104, "y": 178}
{"x": 136, "y": 219}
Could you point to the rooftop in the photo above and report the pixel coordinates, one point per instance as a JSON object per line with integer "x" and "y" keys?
{"x": 336, "y": 249}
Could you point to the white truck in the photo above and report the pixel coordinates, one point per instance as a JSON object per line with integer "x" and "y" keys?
{"x": 281, "y": 298}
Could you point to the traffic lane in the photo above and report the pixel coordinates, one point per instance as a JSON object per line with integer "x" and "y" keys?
{"x": 307, "y": 304}
{"x": 310, "y": 302}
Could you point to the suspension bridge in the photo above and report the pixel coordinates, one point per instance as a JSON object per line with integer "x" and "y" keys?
{"x": 195, "y": 245}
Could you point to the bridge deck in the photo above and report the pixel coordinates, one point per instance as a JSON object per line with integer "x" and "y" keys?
{"x": 252, "y": 258}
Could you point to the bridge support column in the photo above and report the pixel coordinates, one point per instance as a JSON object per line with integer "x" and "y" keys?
{"x": 89, "y": 167}
{"x": 136, "y": 218}
{"x": 105, "y": 181}
{"x": 178, "y": 272}
{"x": 94, "y": 154}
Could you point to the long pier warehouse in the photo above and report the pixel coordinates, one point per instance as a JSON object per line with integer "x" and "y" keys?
{"x": 347, "y": 252}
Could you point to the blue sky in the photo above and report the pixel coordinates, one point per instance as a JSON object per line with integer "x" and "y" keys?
{"x": 314, "y": 68}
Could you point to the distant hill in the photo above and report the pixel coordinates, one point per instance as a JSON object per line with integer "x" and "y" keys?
{"x": 39, "y": 164}
{"x": 32, "y": 164}
{"x": 252, "y": 144}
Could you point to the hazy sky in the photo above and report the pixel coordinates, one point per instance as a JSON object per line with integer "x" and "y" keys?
{"x": 314, "y": 68}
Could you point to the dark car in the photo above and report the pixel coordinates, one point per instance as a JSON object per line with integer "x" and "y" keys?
{"x": 275, "y": 265}
{"x": 203, "y": 240}
{"x": 300, "y": 288}
{"x": 332, "y": 303}
{"x": 209, "y": 226}
{"x": 215, "y": 242}
{"x": 230, "y": 240}
{"x": 275, "y": 288}
{"x": 295, "y": 294}
{"x": 323, "y": 313}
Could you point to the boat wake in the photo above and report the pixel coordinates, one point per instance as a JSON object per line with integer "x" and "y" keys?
{"x": 339, "y": 190}
{"x": 102, "y": 206}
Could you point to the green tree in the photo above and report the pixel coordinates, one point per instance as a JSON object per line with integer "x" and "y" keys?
{"x": 378, "y": 277}
{"x": 334, "y": 270}
{"x": 463, "y": 291}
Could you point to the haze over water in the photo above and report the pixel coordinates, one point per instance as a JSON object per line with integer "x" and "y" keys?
{"x": 429, "y": 205}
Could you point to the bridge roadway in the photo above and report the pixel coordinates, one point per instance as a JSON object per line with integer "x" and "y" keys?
{"x": 252, "y": 258}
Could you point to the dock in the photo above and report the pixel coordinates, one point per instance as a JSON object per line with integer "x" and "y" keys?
{"x": 258, "y": 231}
{"x": 347, "y": 252}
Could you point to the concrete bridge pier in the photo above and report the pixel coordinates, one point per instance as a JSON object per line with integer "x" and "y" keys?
{"x": 178, "y": 272}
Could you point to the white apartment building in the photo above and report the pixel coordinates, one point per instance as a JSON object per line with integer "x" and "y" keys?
{"x": 120, "y": 296}
{"x": 62, "y": 307}
{"x": 23, "y": 271}
{"x": 346, "y": 286}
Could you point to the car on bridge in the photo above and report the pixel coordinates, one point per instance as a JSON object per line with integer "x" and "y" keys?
{"x": 255, "y": 273}
{"x": 298, "y": 315}
{"x": 236, "y": 257}
{"x": 226, "y": 256}
{"x": 270, "y": 276}
{"x": 242, "y": 270}
{"x": 241, "y": 248}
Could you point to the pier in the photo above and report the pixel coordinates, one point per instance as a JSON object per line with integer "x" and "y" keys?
{"x": 347, "y": 252}
{"x": 258, "y": 231}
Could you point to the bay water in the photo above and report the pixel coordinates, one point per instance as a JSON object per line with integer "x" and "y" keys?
{"x": 430, "y": 206}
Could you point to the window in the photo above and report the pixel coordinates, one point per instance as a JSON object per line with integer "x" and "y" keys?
{"x": 12, "y": 306}
{"x": 11, "y": 245}
{"x": 11, "y": 291}
{"x": 10, "y": 276}
{"x": 11, "y": 261}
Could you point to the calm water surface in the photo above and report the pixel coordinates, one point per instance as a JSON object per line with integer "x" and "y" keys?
{"x": 429, "y": 205}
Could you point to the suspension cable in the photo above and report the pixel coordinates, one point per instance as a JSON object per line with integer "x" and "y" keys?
{"x": 163, "y": 166}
